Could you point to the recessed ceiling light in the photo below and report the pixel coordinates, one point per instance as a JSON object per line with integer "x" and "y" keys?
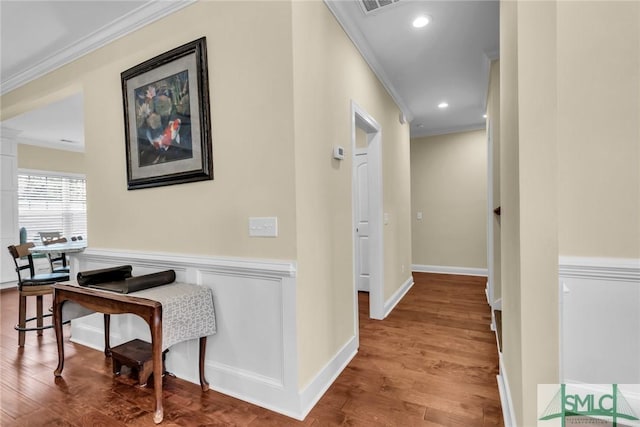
{"x": 443, "y": 105}
{"x": 421, "y": 21}
{"x": 484, "y": 116}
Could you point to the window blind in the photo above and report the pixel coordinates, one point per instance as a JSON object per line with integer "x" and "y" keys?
{"x": 52, "y": 202}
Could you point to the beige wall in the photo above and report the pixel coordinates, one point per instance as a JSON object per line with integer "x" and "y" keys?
{"x": 538, "y": 140}
{"x": 599, "y": 134}
{"x": 252, "y": 123}
{"x": 569, "y": 165}
{"x": 449, "y": 187}
{"x": 47, "y": 159}
{"x": 510, "y": 204}
{"x": 493, "y": 117}
{"x": 282, "y": 76}
{"x": 328, "y": 74}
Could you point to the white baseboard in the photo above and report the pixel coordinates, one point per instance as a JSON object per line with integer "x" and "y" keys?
{"x": 444, "y": 269}
{"x": 493, "y": 324}
{"x": 313, "y": 391}
{"x": 397, "y": 296}
{"x": 8, "y": 285}
{"x": 508, "y": 413}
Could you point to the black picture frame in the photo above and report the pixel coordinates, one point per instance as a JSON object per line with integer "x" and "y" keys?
{"x": 167, "y": 118}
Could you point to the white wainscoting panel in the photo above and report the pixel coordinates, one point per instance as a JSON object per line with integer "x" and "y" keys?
{"x": 253, "y": 355}
{"x": 600, "y": 320}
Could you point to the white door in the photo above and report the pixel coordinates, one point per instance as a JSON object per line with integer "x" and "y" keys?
{"x": 362, "y": 221}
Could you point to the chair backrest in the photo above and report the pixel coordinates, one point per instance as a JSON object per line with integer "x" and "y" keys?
{"x": 21, "y": 251}
{"x": 46, "y": 236}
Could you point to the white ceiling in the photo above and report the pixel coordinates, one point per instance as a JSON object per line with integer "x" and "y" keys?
{"x": 448, "y": 60}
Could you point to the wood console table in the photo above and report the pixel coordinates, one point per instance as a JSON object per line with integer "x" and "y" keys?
{"x": 115, "y": 303}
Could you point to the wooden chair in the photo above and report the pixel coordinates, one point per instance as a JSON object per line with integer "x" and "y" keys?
{"x": 35, "y": 285}
{"x": 57, "y": 261}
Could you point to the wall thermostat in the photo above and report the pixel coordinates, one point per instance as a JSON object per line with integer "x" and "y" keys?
{"x": 338, "y": 152}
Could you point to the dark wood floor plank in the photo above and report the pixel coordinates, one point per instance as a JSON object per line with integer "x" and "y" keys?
{"x": 431, "y": 363}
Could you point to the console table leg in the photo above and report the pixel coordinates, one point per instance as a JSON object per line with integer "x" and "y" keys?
{"x": 156, "y": 352}
{"x": 203, "y": 348}
{"x": 107, "y": 332}
{"x": 57, "y": 326}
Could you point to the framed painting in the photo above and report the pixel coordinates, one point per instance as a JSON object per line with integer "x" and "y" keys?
{"x": 167, "y": 118}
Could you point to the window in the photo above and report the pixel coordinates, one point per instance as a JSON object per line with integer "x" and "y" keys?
{"x": 49, "y": 201}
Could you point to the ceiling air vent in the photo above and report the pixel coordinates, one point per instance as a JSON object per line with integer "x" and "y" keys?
{"x": 373, "y": 5}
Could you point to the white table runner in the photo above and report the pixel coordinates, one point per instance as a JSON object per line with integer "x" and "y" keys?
{"x": 187, "y": 311}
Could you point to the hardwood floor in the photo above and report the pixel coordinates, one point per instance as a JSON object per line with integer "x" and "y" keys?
{"x": 432, "y": 362}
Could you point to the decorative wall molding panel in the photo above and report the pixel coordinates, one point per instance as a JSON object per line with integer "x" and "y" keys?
{"x": 254, "y": 354}
{"x": 600, "y": 320}
{"x": 624, "y": 269}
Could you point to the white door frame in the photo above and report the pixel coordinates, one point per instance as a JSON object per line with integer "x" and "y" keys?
{"x": 490, "y": 265}
{"x": 363, "y": 120}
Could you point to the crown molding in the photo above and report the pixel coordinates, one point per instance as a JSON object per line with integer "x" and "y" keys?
{"x": 138, "y": 18}
{"x": 7, "y": 133}
{"x": 457, "y": 129}
{"x": 56, "y": 145}
{"x": 362, "y": 45}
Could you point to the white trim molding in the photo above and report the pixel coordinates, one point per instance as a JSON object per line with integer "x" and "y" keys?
{"x": 226, "y": 265}
{"x": 146, "y": 14}
{"x": 363, "y": 120}
{"x": 313, "y": 391}
{"x": 445, "y": 269}
{"x": 254, "y": 354}
{"x": 624, "y": 269}
{"x": 505, "y": 396}
{"x": 362, "y": 45}
{"x": 397, "y": 296}
{"x": 9, "y": 233}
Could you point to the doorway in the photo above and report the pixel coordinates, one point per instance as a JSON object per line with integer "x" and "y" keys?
{"x": 366, "y": 146}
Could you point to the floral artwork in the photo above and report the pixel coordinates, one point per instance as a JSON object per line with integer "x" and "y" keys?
{"x": 167, "y": 118}
{"x": 163, "y": 121}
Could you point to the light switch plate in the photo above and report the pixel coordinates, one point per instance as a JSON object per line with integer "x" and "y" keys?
{"x": 263, "y": 227}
